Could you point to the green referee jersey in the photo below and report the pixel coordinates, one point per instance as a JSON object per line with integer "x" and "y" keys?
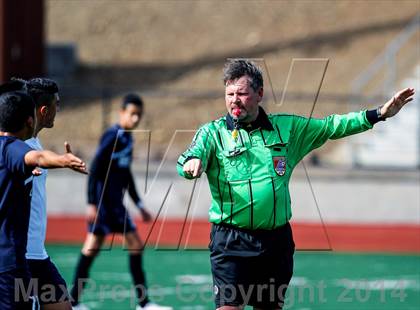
{"x": 249, "y": 176}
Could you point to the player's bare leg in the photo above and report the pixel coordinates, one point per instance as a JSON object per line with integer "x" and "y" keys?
{"x": 92, "y": 244}
{"x": 133, "y": 243}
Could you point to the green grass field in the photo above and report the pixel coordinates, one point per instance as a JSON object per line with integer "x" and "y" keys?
{"x": 182, "y": 279}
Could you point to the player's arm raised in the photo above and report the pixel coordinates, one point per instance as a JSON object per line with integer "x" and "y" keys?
{"x": 48, "y": 159}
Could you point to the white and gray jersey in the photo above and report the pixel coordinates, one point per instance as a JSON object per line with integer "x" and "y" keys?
{"x": 35, "y": 248}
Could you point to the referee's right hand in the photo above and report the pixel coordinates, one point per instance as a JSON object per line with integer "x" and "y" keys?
{"x": 193, "y": 167}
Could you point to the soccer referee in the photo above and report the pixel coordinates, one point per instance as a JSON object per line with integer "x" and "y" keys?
{"x": 249, "y": 157}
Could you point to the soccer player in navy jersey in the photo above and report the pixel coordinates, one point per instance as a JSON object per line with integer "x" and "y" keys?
{"x": 17, "y": 170}
{"x": 110, "y": 177}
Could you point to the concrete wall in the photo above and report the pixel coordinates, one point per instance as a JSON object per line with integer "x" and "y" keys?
{"x": 342, "y": 196}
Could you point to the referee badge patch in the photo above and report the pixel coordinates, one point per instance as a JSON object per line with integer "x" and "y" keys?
{"x": 279, "y": 163}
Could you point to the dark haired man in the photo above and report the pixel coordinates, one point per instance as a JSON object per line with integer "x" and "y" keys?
{"x": 52, "y": 289}
{"x": 249, "y": 157}
{"x": 110, "y": 177}
{"x": 17, "y": 163}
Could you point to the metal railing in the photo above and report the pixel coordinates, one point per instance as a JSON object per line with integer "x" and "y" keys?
{"x": 386, "y": 63}
{"x": 387, "y": 59}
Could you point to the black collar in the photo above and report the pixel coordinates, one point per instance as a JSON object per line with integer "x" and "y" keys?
{"x": 262, "y": 122}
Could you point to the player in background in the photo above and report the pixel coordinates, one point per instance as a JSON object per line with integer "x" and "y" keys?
{"x": 110, "y": 177}
{"x": 17, "y": 168}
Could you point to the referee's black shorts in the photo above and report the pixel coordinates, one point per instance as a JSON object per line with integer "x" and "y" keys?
{"x": 251, "y": 267}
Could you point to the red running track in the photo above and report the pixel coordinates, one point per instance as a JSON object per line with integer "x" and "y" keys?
{"x": 195, "y": 234}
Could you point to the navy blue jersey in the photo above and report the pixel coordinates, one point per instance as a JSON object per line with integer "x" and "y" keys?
{"x": 110, "y": 175}
{"x": 15, "y": 190}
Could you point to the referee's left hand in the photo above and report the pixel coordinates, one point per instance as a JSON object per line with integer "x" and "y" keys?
{"x": 394, "y": 105}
